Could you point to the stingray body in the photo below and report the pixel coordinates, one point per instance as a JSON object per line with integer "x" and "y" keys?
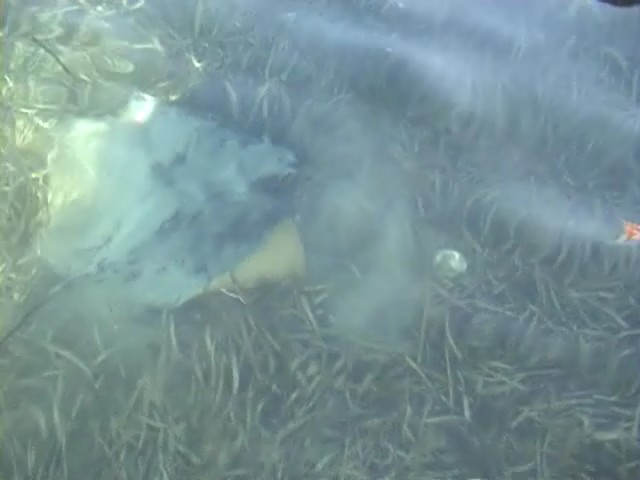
{"x": 159, "y": 206}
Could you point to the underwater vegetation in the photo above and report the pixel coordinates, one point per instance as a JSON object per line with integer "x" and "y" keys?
{"x": 447, "y": 298}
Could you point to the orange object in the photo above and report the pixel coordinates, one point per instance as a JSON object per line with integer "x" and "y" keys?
{"x": 631, "y": 231}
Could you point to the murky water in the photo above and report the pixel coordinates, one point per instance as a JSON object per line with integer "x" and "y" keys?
{"x": 234, "y": 234}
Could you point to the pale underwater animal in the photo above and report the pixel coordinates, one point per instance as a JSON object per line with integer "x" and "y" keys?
{"x": 161, "y": 205}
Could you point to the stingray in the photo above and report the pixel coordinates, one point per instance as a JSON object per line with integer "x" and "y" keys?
{"x": 153, "y": 207}
{"x": 160, "y": 202}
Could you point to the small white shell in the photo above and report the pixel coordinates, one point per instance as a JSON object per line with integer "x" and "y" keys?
{"x": 449, "y": 263}
{"x": 141, "y": 106}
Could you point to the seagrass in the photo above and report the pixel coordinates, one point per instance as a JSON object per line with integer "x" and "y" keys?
{"x": 523, "y": 367}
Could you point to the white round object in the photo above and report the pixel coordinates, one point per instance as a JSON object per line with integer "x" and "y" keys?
{"x": 449, "y": 263}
